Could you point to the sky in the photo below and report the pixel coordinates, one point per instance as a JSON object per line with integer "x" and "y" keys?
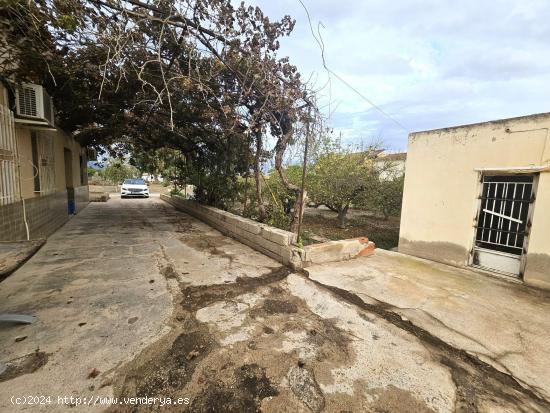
{"x": 426, "y": 63}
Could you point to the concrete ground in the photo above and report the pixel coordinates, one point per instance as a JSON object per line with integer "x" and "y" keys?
{"x": 501, "y": 322}
{"x": 14, "y": 254}
{"x": 136, "y": 299}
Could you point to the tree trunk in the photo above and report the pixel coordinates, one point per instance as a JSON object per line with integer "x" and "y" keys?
{"x": 296, "y": 214}
{"x": 245, "y": 192}
{"x": 280, "y": 148}
{"x": 342, "y": 213}
{"x": 258, "y": 178}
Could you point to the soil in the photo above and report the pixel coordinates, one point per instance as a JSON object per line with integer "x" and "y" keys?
{"x": 391, "y": 399}
{"x": 24, "y": 365}
{"x": 253, "y": 387}
{"x": 279, "y": 307}
{"x": 323, "y": 223}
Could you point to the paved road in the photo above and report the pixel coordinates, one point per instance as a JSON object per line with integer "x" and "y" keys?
{"x": 136, "y": 299}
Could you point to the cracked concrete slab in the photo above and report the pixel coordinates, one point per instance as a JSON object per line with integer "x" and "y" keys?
{"x": 100, "y": 294}
{"x": 136, "y": 299}
{"x": 503, "y": 323}
{"x": 383, "y": 354}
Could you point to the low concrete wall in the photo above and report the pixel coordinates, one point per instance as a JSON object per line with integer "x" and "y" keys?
{"x": 273, "y": 242}
{"x": 99, "y": 196}
{"x": 342, "y": 250}
{"x": 104, "y": 188}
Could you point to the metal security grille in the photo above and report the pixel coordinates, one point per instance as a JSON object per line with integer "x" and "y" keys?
{"x": 503, "y": 213}
{"x": 8, "y": 162}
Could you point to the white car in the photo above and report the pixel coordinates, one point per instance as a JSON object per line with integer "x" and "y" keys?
{"x": 134, "y": 187}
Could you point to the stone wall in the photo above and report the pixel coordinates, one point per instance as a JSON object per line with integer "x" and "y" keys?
{"x": 273, "y": 242}
{"x": 44, "y": 215}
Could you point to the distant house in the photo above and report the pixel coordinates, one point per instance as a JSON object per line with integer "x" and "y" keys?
{"x": 391, "y": 165}
{"x": 151, "y": 177}
{"x": 479, "y": 195}
{"x": 43, "y": 174}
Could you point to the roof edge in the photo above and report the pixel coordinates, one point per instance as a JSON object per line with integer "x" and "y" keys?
{"x": 490, "y": 122}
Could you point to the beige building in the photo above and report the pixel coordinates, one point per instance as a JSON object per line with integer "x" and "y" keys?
{"x": 479, "y": 195}
{"x": 43, "y": 171}
{"x": 391, "y": 165}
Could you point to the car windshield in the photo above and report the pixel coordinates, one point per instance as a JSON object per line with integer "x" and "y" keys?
{"x": 134, "y": 182}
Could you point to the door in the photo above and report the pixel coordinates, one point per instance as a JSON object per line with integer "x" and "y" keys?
{"x": 502, "y": 227}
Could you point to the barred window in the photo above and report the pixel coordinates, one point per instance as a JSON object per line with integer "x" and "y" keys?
{"x": 8, "y": 163}
{"x": 44, "y": 163}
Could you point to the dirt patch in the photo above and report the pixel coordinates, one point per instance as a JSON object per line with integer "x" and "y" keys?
{"x": 169, "y": 272}
{"x": 391, "y": 399}
{"x": 174, "y": 369}
{"x": 279, "y": 307}
{"x": 210, "y": 243}
{"x": 305, "y": 388}
{"x": 330, "y": 333}
{"x": 252, "y": 387}
{"x": 384, "y": 233}
{"x": 165, "y": 368}
{"x": 201, "y": 296}
{"x": 250, "y": 373}
{"x": 29, "y": 363}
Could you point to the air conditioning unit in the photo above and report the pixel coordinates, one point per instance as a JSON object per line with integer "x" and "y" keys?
{"x": 32, "y": 101}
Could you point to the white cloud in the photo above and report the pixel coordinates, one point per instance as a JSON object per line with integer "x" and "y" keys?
{"x": 429, "y": 63}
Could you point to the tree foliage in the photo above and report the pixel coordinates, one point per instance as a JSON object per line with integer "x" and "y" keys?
{"x": 117, "y": 171}
{"x": 339, "y": 180}
{"x": 200, "y": 77}
{"x": 385, "y": 197}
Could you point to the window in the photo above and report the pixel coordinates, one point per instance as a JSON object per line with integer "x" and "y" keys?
{"x": 502, "y": 222}
{"x": 8, "y": 166}
{"x": 43, "y": 163}
{"x": 134, "y": 182}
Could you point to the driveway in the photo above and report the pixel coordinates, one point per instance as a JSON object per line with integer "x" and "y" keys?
{"x": 500, "y": 322}
{"x": 135, "y": 299}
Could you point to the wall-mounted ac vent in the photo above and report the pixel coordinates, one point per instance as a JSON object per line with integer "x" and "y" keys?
{"x": 32, "y": 101}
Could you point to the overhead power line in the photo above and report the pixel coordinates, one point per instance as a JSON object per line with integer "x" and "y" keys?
{"x": 321, "y": 44}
